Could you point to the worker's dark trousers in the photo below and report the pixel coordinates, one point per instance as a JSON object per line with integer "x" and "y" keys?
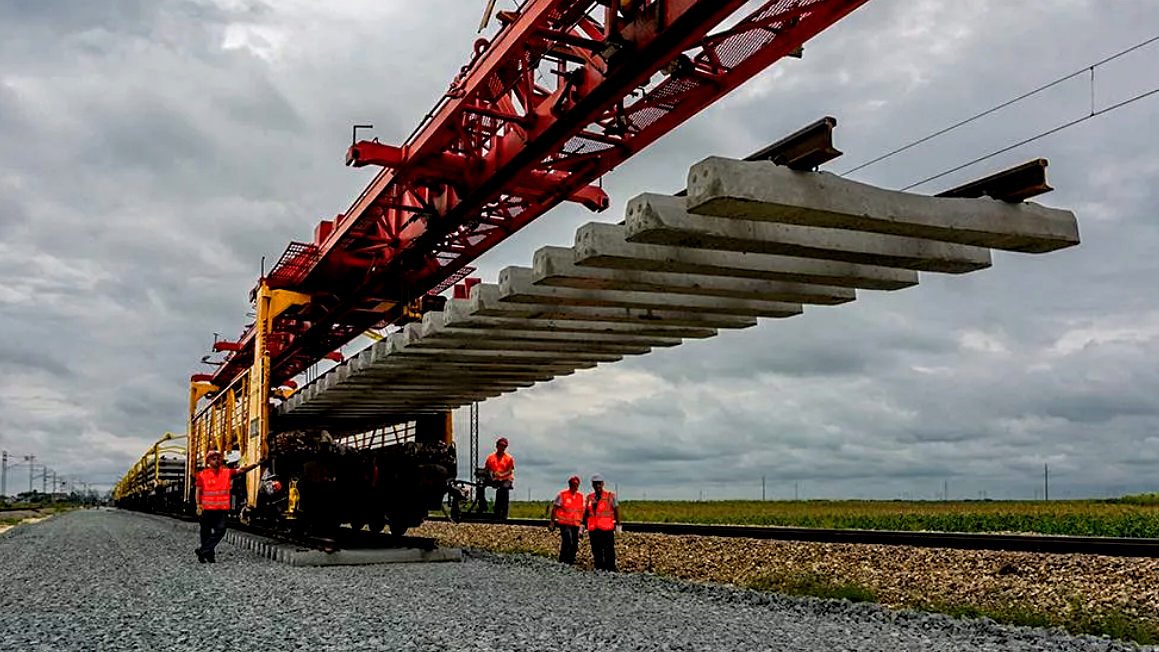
{"x": 603, "y": 548}
{"x": 568, "y": 543}
{"x": 212, "y": 529}
{"x": 502, "y": 498}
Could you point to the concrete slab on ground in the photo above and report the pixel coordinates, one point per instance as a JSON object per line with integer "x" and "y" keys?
{"x": 294, "y": 555}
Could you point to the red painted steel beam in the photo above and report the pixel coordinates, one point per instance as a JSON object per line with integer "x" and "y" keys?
{"x": 501, "y": 149}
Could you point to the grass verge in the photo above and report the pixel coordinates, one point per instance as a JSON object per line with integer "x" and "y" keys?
{"x": 813, "y": 585}
{"x": 1079, "y": 620}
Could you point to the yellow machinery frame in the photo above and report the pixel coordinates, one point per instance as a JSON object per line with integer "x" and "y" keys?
{"x": 237, "y": 416}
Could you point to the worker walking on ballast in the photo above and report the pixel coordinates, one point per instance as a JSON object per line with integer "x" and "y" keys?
{"x": 567, "y": 512}
{"x": 500, "y": 469}
{"x": 602, "y": 517}
{"x": 213, "y": 489}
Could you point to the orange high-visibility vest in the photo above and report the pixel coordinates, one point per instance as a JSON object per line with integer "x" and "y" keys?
{"x": 215, "y": 488}
{"x": 501, "y": 469}
{"x": 600, "y": 514}
{"x": 570, "y": 511}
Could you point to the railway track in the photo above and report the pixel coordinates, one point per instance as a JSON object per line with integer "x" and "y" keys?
{"x": 343, "y": 538}
{"x": 1112, "y": 547}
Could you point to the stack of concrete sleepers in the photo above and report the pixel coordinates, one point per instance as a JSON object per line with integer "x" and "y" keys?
{"x": 749, "y": 241}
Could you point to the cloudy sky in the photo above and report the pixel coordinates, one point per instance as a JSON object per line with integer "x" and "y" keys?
{"x": 153, "y": 151}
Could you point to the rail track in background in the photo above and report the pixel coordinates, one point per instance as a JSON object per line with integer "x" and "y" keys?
{"x": 1111, "y": 547}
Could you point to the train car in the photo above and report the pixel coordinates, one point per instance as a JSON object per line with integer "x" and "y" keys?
{"x": 156, "y": 482}
{"x": 390, "y": 477}
{"x": 311, "y": 481}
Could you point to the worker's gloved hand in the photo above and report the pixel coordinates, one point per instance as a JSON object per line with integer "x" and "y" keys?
{"x": 199, "y": 510}
{"x": 619, "y": 528}
{"x": 551, "y": 527}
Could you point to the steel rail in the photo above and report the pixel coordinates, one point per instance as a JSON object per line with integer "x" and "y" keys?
{"x": 1053, "y": 544}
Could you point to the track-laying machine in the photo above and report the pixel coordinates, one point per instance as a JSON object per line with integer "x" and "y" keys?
{"x": 564, "y": 92}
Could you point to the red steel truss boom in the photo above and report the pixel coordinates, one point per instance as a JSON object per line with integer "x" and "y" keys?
{"x": 566, "y": 91}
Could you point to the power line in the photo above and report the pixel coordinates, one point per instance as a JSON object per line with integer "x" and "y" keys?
{"x": 1044, "y": 134}
{"x": 1088, "y": 69}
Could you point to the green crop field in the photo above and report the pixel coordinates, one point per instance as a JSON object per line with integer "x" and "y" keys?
{"x": 1129, "y": 516}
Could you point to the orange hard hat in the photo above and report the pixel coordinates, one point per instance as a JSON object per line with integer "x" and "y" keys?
{"x": 502, "y": 441}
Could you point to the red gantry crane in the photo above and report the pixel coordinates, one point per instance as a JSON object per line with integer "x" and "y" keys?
{"x": 566, "y": 91}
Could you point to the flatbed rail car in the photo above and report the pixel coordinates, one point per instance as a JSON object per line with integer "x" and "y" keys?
{"x": 156, "y": 482}
{"x": 385, "y": 478}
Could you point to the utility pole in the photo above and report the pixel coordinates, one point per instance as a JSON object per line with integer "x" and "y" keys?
{"x": 796, "y": 491}
{"x": 762, "y": 488}
{"x": 945, "y": 490}
{"x": 30, "y": 459}
{"x": 1046, "y": 481}
{"x": 3, "y": 474}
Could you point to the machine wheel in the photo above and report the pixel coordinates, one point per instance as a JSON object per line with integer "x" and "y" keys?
{"x": 399, "y": 529}
{"x": 376, "y": 524}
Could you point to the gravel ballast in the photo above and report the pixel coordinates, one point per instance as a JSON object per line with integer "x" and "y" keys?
{"x": 108, "y": 580}
{"x": 898, "y": 576}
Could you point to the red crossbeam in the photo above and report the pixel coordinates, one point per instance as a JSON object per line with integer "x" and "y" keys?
{"x": 563, "y": 95}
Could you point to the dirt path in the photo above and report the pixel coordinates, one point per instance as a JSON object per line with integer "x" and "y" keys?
{"x": 24, "y": 516}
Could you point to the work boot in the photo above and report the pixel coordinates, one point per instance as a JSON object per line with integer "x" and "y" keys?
{"x": 200, "y": 557}
{"x": 210, "y": 558}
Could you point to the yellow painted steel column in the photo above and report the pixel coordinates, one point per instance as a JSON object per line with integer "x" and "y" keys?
{"x": 270, "y": 304}
{"x": 192, "y": 443}
{"x": 195, "y": 444}
{"x": 259, "y": 390}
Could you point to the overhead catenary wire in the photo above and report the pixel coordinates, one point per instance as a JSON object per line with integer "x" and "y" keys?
{"x": 1044, "y": 134}
{"x": 1089, "y": 69}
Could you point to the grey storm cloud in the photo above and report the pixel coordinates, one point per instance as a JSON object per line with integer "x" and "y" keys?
{"x": 157, "y": 151}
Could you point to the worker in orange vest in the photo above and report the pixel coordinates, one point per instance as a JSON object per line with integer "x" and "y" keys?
{"x": 602, "y": 518}
{"x": 213, "y": 489}
{"x": 500, "y": 468}
{"x": 568, "y": 512}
